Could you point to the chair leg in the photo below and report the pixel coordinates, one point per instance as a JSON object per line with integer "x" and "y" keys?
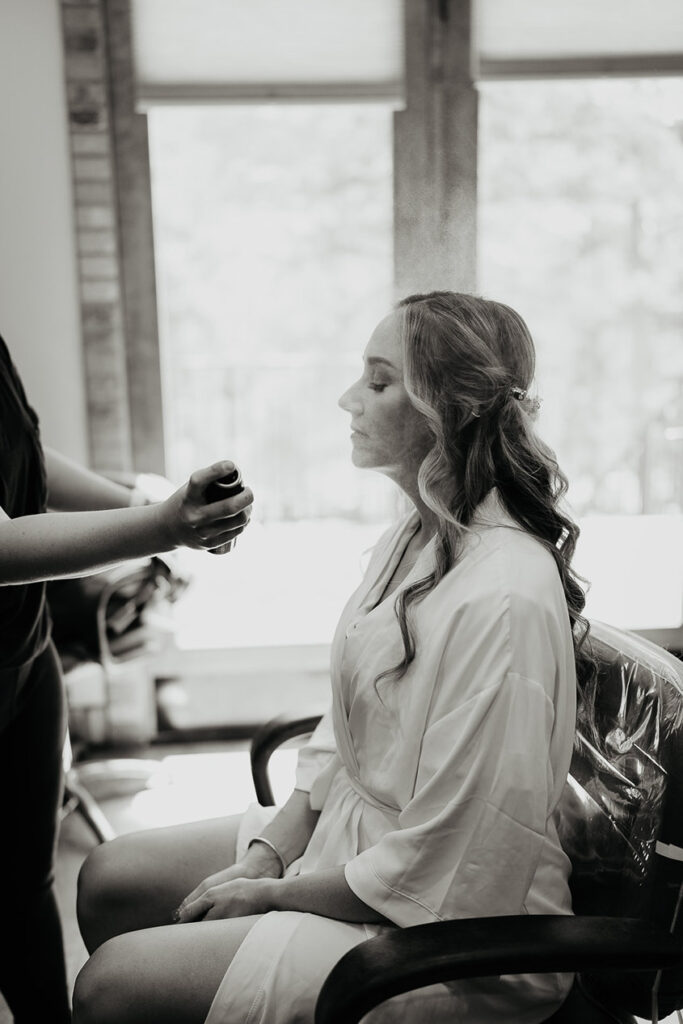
{"x": 77, "y": 798}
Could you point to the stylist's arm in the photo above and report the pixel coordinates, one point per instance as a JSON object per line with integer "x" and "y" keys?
{"x": 61, "y": 544}
{"x": 74, "y": 488}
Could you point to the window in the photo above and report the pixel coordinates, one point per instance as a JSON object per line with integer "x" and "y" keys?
{"x": 581, "y": 213}
{"x": 273, "y": 237}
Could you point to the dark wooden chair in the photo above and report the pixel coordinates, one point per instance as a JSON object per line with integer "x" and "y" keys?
{"x": 621, "y": 824}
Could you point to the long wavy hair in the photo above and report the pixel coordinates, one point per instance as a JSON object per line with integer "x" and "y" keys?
{"x": 469, "y": 365}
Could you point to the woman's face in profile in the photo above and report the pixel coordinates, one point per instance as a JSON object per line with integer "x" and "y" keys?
{"x": 387, "y": 431}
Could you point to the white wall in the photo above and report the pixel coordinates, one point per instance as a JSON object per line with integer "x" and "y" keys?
{"x": 39, "y": 314}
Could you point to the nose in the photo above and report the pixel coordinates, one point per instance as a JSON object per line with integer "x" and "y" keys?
{"x": 349, "y": 400}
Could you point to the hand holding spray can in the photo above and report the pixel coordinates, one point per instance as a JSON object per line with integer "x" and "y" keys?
{"x": 226, "y": 487}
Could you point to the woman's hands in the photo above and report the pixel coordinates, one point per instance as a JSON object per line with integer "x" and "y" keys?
{"x": 254, "y": 885}
{"x": 190, "y": 521}
{"x": 242, "y": 889}
{"x": 240, "y": 897}
{"x": 326, "y": 893}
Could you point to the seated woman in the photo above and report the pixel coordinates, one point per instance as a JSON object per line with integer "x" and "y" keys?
{"x": 429, "y": 792}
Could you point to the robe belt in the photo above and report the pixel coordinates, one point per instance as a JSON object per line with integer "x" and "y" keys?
{"x": 368, "y": 797}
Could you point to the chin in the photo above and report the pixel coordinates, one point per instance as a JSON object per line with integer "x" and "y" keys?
{"x": 358, "y": 459}
{"x": 361, "y": 459}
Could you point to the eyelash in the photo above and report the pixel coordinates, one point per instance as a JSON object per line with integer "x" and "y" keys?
{"x": 377, "y": 387}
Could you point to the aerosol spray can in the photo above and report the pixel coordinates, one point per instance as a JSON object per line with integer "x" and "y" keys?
{"x": 226, "y": 487}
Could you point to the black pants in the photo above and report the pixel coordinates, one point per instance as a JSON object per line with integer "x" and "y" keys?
{"x": 32, "y": 732}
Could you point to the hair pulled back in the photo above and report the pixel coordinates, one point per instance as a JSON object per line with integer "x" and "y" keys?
{"x": 469, "y": 364}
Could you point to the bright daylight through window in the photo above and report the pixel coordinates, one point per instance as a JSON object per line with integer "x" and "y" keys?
{"x": 273, "y": 235}
{"x": 580, "y": 221}
{"x": 274, "y": 257}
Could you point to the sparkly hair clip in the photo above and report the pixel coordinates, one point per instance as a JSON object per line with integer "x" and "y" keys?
{"x": 531, "y": 406}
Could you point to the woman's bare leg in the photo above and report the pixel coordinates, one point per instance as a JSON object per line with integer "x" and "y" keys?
{"x": 165, "y": 975}
{"x": 138, "y": 880}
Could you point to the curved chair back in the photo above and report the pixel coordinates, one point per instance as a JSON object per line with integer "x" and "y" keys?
{"x": 621, "y": 814}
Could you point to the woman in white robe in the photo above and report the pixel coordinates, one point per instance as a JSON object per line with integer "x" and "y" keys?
{"x": 429, "y": 792}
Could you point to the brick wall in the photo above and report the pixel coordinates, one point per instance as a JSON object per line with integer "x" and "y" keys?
{"x": 97, "y": 234}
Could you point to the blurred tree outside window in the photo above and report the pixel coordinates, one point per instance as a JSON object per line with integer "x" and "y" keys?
{"x": 274, "y": 251}
{"x": 580, "y": 225}
{"x": 273, "y": 234}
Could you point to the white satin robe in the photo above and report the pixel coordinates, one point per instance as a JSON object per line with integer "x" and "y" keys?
{"x": 438, "y": 791}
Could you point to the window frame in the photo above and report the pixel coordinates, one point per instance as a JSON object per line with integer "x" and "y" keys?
{"x": 435, "y": 156}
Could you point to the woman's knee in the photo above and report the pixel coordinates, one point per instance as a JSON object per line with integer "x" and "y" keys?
{"x": 98, "y": 876}
{"x": 105, "y": 886}
{"x": 97, "y": 992}
{"x": 137, "y": 880}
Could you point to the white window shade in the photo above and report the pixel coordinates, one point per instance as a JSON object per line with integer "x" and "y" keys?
{"x": 546, "y": 29}
{"x": 345, "y": 49}
{"x": 246, "y": 46}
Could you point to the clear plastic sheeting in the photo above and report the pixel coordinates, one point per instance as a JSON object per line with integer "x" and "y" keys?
{"x": 621, "y": 817}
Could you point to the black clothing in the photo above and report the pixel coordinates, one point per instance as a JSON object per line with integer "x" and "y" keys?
{"x": 32, "y": 733}
{"x": 24, "y": 618}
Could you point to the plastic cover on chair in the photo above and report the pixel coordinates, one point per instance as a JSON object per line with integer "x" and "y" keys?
{"x": 621, "y": 819}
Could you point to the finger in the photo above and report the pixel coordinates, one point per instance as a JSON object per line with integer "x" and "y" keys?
{"x": 224, "y": 527}
{"x": 198, "y": 891}
{"x": 227, "y": 508}
{"x": 221, "y": 911}
{"x": 221, "y": 540}
{"x": 215, "y": 538}
{"x": 221, "y": 544}
{"x": 195, "y": 911}
{"x": 216, "y": 526}
{"x": 201, "y": 478}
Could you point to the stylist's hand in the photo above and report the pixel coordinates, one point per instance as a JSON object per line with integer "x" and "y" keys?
{"x": 215, "y": 895}
{"x": 190, "y": 522}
